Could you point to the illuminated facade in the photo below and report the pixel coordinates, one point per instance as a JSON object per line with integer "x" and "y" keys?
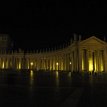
{"x": 81, "y": 55}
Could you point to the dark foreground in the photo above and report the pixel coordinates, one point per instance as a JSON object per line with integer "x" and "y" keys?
{"x": 52, "y": 89}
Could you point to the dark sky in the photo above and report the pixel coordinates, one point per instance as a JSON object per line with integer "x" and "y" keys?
{"x": 49, "y": 23}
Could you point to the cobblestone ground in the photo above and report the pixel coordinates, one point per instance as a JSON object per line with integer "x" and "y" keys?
{"x": 52, "y": 89}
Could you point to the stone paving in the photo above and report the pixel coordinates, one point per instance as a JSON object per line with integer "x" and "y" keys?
{"x": 63, "y": 90}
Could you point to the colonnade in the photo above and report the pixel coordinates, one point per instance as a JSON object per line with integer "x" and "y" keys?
{"x": 60, "y": 62}
{"x": 87, "y": 60}
{"x": 93, "y": 60}
{"x": 86, "y": 56}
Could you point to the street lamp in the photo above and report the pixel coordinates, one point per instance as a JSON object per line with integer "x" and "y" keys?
{"x": 31, "y": 64}
{"x": 70, "y": 63}
{"x": 57, "y": 65}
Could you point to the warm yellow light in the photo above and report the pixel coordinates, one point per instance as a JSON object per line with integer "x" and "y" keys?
{"x": 28, "y": 67}
{"x": 31, "y": 63}
{"x": 70, "y": 63}
{"x": 57, "y": 78}
{"x": 57, "y": 74}
{"x": 31, "y": 77}
{"x": 31, "y": 73}
{"x": 3, "y": 65}
{"x": 83, "y": 64}
{"x": 57, "y": 63}
{"x": 102, "y": 65}
{"x": 83, "y": 68}
{"x": 90, "y": 65}
{"x": 102, "y": 68}
{"x": 19, "y": 65}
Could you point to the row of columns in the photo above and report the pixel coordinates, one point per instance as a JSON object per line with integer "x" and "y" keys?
{"x": 8, "y": 63}
{"x": 49, "y": 63}
{"x": 61, "y": 62}
{"x": 93, "y": 60}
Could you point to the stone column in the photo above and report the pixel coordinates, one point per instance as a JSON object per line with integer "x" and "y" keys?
{"x": 80, "y": 60}
{"x": 58, "y": 62}
{"x": 15, "y": 65}
{"x": 57, "y": 66}
{"x": 105, "y": 60}
{"x": 0, "y": 63}
{"x": 71, "y": 62}
{"x": 102, "y": 60}
{"x": 42, "y": 63}
{"x": 20, "y": 63}
{"x": 46, "y": 63}
{"x": 87, "y": 58}
{"x": 84, "y": 55}
{"x": 63, "y": 62}
{"x": 4, "y": 63}
{"x": 27, "y": 62}
{"x": 66, "y": 61}
{"x": 96, "y": 61}
{"x": 86, "y": 61}
{"x": 54, "y": 65}
{"x": 75, "y": 61}
{"x": 99, "y": 61}
{"x": 52, "y": 62}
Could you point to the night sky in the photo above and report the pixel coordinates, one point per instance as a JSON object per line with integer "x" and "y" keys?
{"x": 33, "y": 25}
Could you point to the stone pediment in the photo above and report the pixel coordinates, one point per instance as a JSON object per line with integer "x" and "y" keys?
{"x": 93, "y": 41}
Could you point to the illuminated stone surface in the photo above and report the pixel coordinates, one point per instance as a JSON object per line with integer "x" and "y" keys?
{"x": 81, "y": 55}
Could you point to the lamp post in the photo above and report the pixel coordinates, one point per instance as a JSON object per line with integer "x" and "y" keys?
{"x": 70, "y": 65}
{"x": 31, "y": 65}
{"x": 57, "y": 65}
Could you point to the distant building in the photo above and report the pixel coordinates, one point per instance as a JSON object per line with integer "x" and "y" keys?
{"x": 5, "y": 42}
{"x": 81, "y": 55}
